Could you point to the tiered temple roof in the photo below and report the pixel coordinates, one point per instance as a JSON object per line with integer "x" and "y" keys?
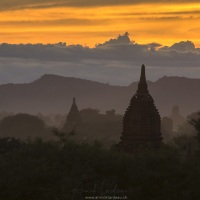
{"x": 141, "y": 122}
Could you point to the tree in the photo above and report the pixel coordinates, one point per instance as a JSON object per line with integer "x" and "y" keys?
{"x": 22, "y": 126}
{"x": 196, "y": 123}
{"x": 8, "y": 144}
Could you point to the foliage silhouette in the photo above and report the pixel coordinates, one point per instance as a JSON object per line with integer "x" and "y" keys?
{"x": 49, "y": 170}
{"x": 22, "y": 126}
{"x": 8, "y": 144}
{"x": 64, "y": 169}
{"x": 196, "y": 123}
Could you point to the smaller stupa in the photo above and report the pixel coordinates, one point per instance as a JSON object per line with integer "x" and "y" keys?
{"x": 73, "y": 118}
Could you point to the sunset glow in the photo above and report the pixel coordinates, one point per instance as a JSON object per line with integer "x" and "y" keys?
{"x": 146, "y": 23}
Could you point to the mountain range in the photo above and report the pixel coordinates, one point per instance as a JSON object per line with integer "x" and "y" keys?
{"x": 54, "y": 94}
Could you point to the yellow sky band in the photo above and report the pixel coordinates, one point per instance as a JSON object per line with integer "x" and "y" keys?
{"x": 161, "y": 23}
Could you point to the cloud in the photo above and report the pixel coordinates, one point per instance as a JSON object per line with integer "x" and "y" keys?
{"x": 163, "y": 18}
{"x": 58, "y": 22}
{"x": 183, "y": 46}
{"x": 191, "y": 12}
{"x": 115, "y": 61}
{"x": 120, "y": 40}
{"x": 120, "y": 48}
{"x": 21, "y": 4}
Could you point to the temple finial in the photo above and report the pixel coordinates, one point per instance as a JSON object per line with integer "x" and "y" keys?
{"x": 142, "y": 76}
{"x": 142, "y": 86}
{"x": 74, "y": 100}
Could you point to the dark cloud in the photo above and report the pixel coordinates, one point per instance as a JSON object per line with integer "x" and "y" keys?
{"x": 20, "y": 4}
{"x": 115, "y": 61}
{"x": 120, "y": 40}
{"x": 163, "y": 18}
{"x": 58, "y": 22}
{"x": 183, "y": 46}
{"x": 193, "y": 12}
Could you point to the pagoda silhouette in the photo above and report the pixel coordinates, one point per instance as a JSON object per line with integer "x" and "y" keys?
{"x": 73, "y": 118}
{"x": 141, "y": 122}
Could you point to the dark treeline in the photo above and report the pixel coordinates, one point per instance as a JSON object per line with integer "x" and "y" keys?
{"x": 67, "y": 170}
{"x": 66, "y": 166}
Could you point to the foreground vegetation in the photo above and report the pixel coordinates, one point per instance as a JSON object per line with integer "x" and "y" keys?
{"x": 67, "y": 170}
{"x": 64, "y": 166}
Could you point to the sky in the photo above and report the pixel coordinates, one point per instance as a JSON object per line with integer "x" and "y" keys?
{"x": 88, "y": 22}
{"x": 105, "y": 40}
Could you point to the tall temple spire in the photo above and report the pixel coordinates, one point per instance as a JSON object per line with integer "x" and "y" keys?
{"x": 141, "y": 122}
{"x": 142, "y": 76}
{"x": 142, "y": 86}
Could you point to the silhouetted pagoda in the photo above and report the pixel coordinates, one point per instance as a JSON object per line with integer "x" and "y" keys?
{"x": 141, "y": 122}
{"x": 73, "y": 118}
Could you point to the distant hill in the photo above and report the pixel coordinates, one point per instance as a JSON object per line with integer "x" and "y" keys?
{"x": 53, "y": 94}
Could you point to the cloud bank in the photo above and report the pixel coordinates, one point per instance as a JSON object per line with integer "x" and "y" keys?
{"x": 116, "y": 61}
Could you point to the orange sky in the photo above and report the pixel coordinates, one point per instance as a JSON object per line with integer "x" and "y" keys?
{"x": 161, "y": 23}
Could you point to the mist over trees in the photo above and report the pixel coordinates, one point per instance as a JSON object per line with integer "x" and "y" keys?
{"x": 95, "y": 126}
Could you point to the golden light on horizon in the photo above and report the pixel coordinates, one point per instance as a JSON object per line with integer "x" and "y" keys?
{"x": 161, "y": 23}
